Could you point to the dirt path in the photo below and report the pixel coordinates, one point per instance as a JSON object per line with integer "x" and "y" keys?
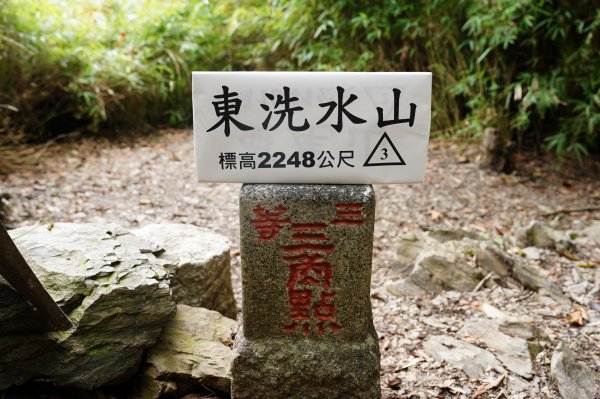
{"x": 136, "y": 181}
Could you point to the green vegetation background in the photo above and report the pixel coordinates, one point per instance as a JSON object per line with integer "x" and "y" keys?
{"x": 530, "y": 68}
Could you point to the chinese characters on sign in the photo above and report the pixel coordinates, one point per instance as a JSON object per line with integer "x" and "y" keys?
{"x": 226, "y": 108}
{"x": 311, "y": 299}
{"x": 311, "y": 127}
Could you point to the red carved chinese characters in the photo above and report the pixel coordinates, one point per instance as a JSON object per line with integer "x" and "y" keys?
{"x": 349, "y": 214}
{"x": 311, "y": 299}
{"x": 310, "y": 277}
{"x": 268, "y": 223}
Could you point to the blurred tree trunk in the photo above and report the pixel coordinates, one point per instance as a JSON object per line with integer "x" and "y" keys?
{"x": 498, "y": 152}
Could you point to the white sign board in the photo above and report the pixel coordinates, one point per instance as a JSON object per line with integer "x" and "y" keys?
{"x": 311, "y": 127}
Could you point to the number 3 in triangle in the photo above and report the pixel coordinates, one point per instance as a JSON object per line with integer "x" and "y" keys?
{"x": 384, "y": 153}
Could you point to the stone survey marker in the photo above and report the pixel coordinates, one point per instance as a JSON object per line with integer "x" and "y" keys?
{"x": 311, "y": 127}
{"x": 306, "y": 329}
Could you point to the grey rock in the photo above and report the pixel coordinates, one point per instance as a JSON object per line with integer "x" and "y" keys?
{"x": 514, "y": 326}
{"x": 434, "y": 262}
{"x": 543, "y": 236}
{"x": 150, "y": 387}
{"x": 473, "y": 360}
{"x": 538, "y": 235}
{"x": 307, "y": 328}
{"x": 409, "y": 247}
{"x": 492, "y": 259}
{"x": 112, "y": 288}
{"x": 438, "y": 266}
{"x": 412, "y": 243}
{"x": 516, "y": 386}
{"x": 453, "y": 235}
{"x": 404, "y": 287}
{"x": 199, "y": 263}
{"x": 578, "y": 289}
{"x": 531, "y": 278}
{"x": 499, "y": 315}
{"x": 532, "y": 253}
{"x": 194, "y": 348}
{"x": 591, "y": 233}
{"x": 513, "y": 352}
{"x": 574, "y": 380}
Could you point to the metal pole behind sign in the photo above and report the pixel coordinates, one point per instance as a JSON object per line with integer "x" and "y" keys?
{"x": 14, "y": 268}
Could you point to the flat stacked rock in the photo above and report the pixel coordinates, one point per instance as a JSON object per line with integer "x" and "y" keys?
{"x": 199, "y": 263}
{"x": 194, "y": 350}
{"x": 112, "y": 287}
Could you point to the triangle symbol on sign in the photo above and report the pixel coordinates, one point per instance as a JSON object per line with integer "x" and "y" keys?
{"x": 384, "y": 153}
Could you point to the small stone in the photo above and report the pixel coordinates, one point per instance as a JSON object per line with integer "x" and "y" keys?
{"x": 199, "y": 262}
{"x": 517, "y": 385}
{"x": 194, "y": 348}
{"x": 453, "y": 235}
{"x": 150, "y": 387}
{"x": 574, "y": 380}
{"x": 543, "y": 236}
{"x": 538, "y": 235}
{"x": 404, "y": 287}
{"x": 474, "y": 361}
{"x": 493, "y": 260}
{"x": 533, "y": 279}
{"x": 409, "y": 247}
{"x": 434, "y": 322}
{"x": 494, "y": 313}
{"x": 532, "y": 253}
{"x": 511, "y": 351}
{"x": 591, "y": 233}
{"x": 578, "y": 289}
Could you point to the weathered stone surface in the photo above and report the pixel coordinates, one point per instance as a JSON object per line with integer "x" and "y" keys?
{"x": 282, "y": 368}
{"x": 199, "y": 263}
{"x": 150, "y": 387}
{"x": 543, "y": 236}
{"x": 511, "y": 325}
{"x": 436, "y": 265}
{"x": 538, "y": 235}
{"x": 592, "y": 233}
{"x": 413, "y": 242}
{"x": 574, "y": 380}
{"x": 438, "y": 261}
{"x": 307, "y": 329}
{"x": 110, "y": 285}
{"x": 474, "y": 361}
{"x": 194, "y": 349}
{"x": 513, "y": 352}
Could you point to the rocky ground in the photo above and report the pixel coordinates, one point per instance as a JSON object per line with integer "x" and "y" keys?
{"x": 498, "y": 338}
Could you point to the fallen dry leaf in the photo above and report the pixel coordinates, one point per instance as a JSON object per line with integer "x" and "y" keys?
{"x": 435, "y": 216}
{"x": 578, "y": 316}
{"x": 567, "y": 254}
{"x": 490, "y": 385}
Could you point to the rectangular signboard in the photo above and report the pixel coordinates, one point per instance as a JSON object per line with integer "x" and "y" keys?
{"x": 311, "y": 127}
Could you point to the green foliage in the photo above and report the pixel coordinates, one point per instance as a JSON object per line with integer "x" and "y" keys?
{"x": 528, "y": 67}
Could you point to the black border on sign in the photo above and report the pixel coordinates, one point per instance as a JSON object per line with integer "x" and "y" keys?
{"x": 384, "y": 136}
